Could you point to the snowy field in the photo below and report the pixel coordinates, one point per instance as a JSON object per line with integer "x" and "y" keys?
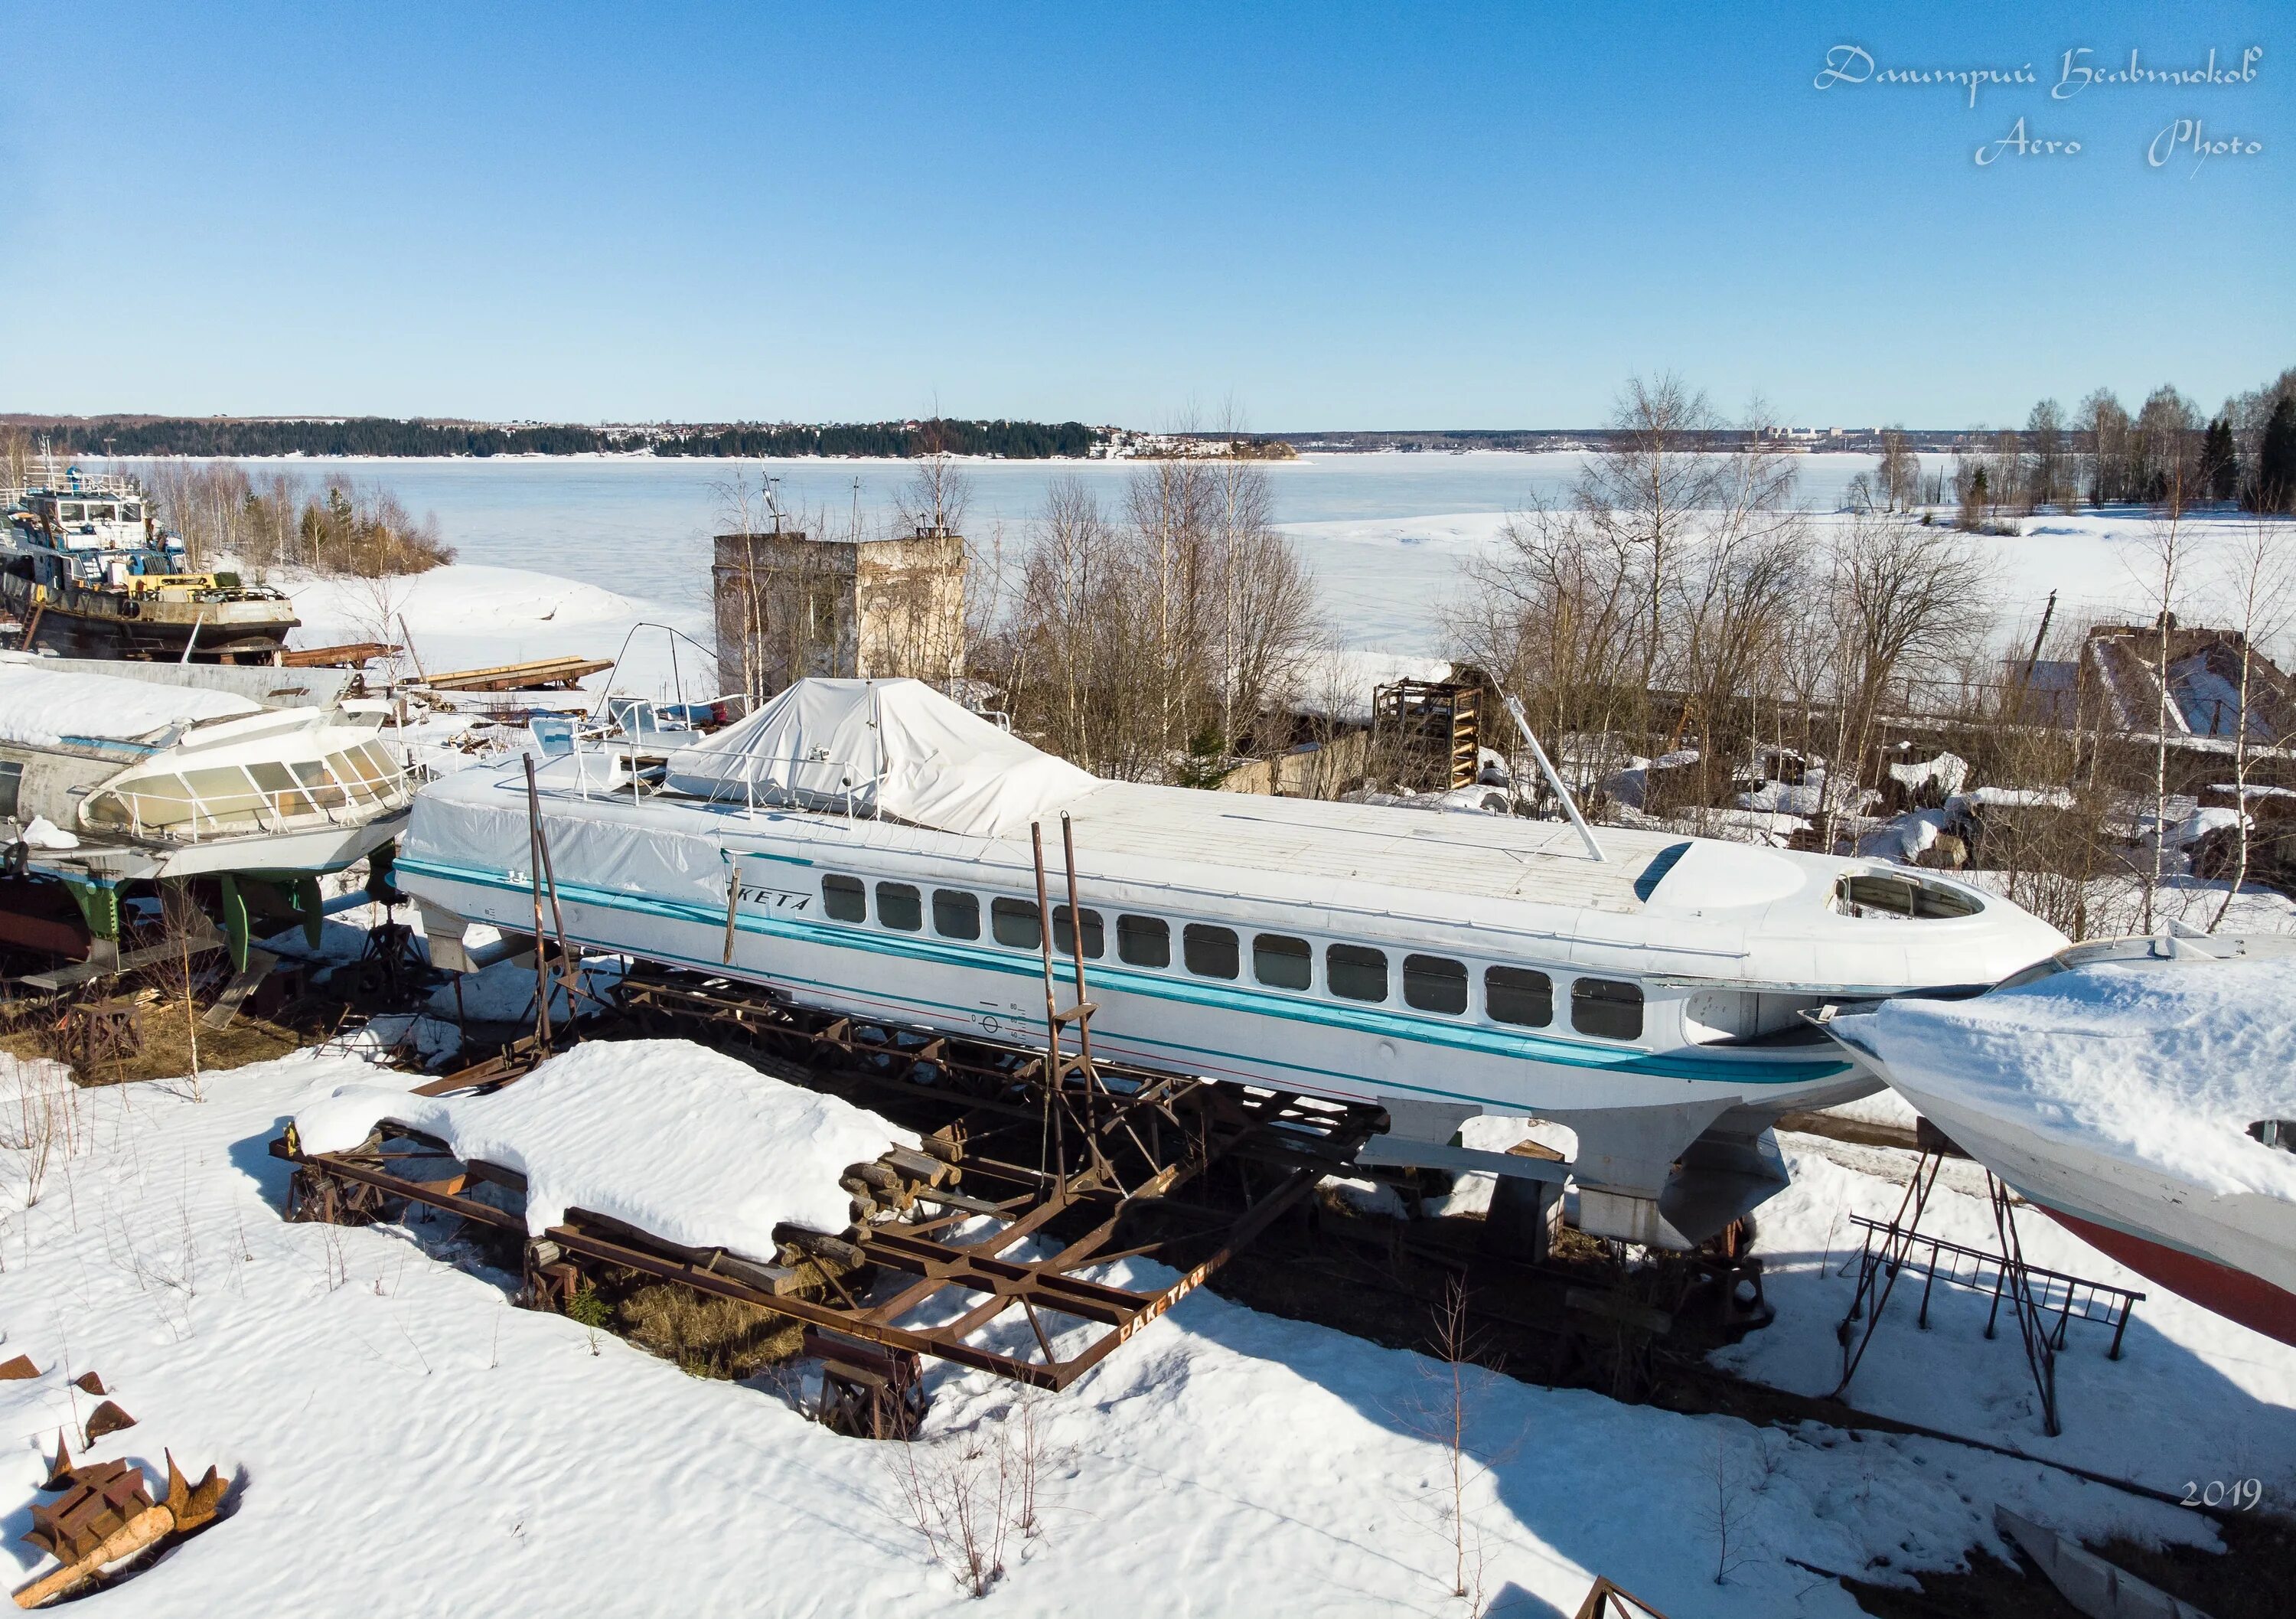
{"x": 1392, "y": 584}
{"x": 2193, "y": 1397}
{"x": 474, "y": 615}
{"x": 406, "y": 1442}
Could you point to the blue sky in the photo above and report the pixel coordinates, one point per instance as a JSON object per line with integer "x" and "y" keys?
{"x": 1334, "y": 217}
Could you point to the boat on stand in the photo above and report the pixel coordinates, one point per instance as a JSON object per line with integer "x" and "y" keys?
{"x": 864, "y": 848}
{"x": 2138, "y": 1092}
{"x": 240, "y": 788}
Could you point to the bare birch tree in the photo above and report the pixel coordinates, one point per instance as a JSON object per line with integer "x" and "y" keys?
{"x": 1905, "y": 598}
{"x": 939, "y": 492}
{"x": 2166, "y": 544}
{"x": 1132, "y": 638}
{"x": 1642, "y": 489}
{"x": 2263, "y": 587}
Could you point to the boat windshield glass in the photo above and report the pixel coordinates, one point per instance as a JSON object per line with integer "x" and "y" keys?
{"x": 262, "y": 796}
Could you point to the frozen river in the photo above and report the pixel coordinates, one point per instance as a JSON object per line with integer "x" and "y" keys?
{"x": 1386, "y": 534}
{"x": 642, "y": 527}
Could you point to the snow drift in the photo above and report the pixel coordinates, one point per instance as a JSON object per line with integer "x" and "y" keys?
{"x": 666, "y": 1136}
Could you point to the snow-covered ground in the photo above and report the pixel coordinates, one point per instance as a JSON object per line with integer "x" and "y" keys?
{"x": 406, "y": 1442}
{"x": 1385, "y": 534}
{"x": 1392, "y": 582}
{"x": 2116, "y": 905}
{"x": 2193, "y": 1397}
{"x": 1390, "y": 587}
{"x": 471, "y": 615}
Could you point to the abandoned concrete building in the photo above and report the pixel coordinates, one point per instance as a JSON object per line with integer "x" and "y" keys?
{"x": 789, "y": 605}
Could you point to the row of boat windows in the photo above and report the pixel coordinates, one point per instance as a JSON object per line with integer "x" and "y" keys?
{"x": 1607, "y": 1008}
{"x": 257, "y": 794}
{"x": 74, "y": 511}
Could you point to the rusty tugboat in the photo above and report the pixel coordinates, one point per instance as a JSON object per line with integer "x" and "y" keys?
{"x": 87, "y": 571}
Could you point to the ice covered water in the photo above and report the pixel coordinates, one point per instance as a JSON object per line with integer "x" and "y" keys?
{"x": 641, "y": 526}
{"x": 1385, "y": 533}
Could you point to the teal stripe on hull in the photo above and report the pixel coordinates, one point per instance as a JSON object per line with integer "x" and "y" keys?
{"x": 1419, "y": 1031}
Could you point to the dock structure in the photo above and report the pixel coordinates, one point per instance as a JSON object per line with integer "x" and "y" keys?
{"x": 790, "y": 605}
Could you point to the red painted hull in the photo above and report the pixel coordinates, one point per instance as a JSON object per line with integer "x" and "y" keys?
{"x": 2233, "y": 1294}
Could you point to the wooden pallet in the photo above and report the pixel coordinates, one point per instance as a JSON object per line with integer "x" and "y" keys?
{"x": 540, "y": 674}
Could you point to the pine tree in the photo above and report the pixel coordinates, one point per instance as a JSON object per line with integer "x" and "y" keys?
{"x": 2275, "y": 461}
{"x": 1207, "y": 763}
{"x": 1974, "y": 501}
{"x": 2219, "y": 461}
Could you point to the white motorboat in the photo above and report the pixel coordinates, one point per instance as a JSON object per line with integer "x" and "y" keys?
{"x": 2142, "y": 1092}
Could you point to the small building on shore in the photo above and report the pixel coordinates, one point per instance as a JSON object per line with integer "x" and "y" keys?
{"x": 789, "y": 605}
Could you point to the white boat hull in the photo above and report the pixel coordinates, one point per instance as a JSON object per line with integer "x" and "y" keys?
{"x": 2234, "y": 1252}
{"x": 1226, "y": 1032}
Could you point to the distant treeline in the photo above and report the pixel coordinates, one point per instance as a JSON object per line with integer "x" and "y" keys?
{"x": 1013, "y": 440}
{"x": 216, "y": 437}
{"x": 356, "y": 436}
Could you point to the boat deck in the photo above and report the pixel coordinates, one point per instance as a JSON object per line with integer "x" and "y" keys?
{"x": 1491, "y": 856}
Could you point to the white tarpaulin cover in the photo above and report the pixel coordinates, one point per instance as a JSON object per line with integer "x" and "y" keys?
{"x": 896, "y": 748}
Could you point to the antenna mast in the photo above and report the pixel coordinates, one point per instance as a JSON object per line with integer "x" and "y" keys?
{"x": 1570, "y": 804}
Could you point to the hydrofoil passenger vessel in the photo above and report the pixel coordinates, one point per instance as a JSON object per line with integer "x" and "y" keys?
{"x": 865, "y": 847}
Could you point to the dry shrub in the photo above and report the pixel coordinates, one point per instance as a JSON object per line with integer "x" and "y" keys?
{"x": 706, "y": 1336}
{"x": 966, "y": 1493}
{"x": 39, "y": 1119}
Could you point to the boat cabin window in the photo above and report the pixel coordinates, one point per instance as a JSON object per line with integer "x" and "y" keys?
{"x": 1517, "y": 995}
{"x": 131, "y": 512}
{"x": 901, "y": 906}
{"x": 1355, "y": 972}
{"x": 1014, "y": 922}
{"x": 1876, "y": 893}
{"x": 226, "y": 797}
{"x": 1282, "y": 962}
{"x": 279, "y": 788}
{"x": 12, "y": 783}
{"x": 1609, "y": 1008}
{"x": 72, "y": 511}
{"x": 1064, "y": 932}
{"x": 1210, "y": 951}
{"x": 322, "y": 787}
{"x": 956, "y": 915}
{"x": 844, "y": 899}
{"x": 148, "y": 802}
{"x": 1145, "y": 941}
{"x": 1435, "y": 984}
{"x": 99, "y": 513}
{"x": 366, "y": 779}
{"x": 371, "y": 762}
